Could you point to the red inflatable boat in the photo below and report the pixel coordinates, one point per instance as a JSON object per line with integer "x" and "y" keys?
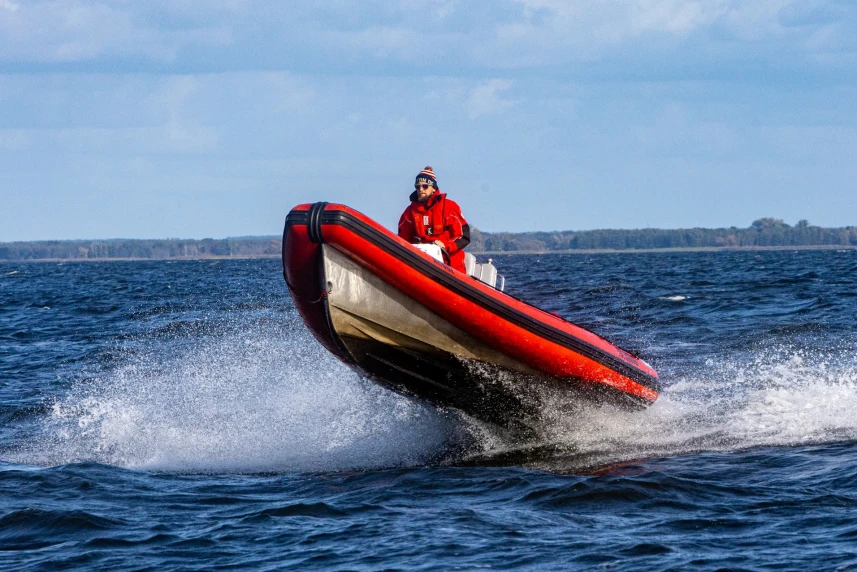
{"x": 412, "y": 323}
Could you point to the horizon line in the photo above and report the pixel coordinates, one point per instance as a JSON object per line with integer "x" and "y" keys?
{"x": 278, "y": 236}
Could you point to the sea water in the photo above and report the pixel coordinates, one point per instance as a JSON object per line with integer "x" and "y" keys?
{"x": 177, "y": 415}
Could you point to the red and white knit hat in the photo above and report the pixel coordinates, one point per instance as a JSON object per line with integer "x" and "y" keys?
{"x": 427, "y": 176}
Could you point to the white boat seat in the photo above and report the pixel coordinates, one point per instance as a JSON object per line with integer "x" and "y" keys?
{"x": 484, "y": 272}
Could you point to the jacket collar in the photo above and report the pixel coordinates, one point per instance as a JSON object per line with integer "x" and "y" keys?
{"x": 430, "y": 202}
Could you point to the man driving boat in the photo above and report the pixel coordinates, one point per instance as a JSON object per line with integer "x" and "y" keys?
{"x": 433, "y": 218}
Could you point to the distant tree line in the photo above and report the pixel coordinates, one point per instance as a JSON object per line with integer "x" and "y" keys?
{"x": 764, "y": 232}
{"x": 136, "y": 248}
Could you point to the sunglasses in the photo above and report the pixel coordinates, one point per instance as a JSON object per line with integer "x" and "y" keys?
{"x": 422, "y": 186}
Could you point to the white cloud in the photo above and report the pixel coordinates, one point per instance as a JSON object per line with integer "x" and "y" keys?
{"x": 77, "y": 30}
{"x": 618, "y": 20}
{"x": 15, "y": 139}
{"x": 475, "y": 99}
{"x": 174, "y": 93}
{"x": 66, "y": 31}
{"x": 435, "y": 9}
{"x": 379, "y": 41}
{"x": 561, "y": 31}
{"x": 172, "y": 137}
{"x": 444, "y": 10}
{"x": 485, "y": 98}
{"x": 674, "y": 16}
{"x": 427, "y": 35}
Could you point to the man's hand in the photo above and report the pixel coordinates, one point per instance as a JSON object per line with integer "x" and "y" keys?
{"x": 440, "y": 244}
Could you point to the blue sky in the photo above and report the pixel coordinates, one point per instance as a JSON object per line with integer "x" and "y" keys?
{"x": 196, "y": 118}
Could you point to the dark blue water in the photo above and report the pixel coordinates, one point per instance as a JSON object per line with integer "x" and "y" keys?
{"x": 178, "y": 416}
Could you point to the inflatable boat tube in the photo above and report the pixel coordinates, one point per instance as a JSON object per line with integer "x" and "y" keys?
{"x": 415, "y": 325}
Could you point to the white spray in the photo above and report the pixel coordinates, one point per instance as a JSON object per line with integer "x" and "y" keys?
{"x": 248, "y": 401}
{"x": 263, "y": 399}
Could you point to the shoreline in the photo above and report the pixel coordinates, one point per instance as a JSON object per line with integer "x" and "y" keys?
{"x": 674, "y": 249}
{"x": 484, "y": 253}
{"x": 167, "y": 259}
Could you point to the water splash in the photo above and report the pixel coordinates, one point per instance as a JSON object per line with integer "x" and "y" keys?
{"x": 258, "y": 399}
{"x": 269, "y": 398}
{"x": 782, "y": 397}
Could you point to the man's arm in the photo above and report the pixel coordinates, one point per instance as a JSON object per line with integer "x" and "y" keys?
{"x": 459, "y": 230}
{"x": 460, "y": 243}
{"x": 406, "y": 227}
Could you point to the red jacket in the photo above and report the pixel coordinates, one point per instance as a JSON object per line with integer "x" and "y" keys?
{"x": 439, "y": 218}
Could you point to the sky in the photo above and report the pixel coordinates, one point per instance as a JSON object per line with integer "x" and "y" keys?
{"x": 203, "y": 118}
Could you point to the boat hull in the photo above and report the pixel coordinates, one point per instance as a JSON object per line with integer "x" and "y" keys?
{"x": 423, "y": 329}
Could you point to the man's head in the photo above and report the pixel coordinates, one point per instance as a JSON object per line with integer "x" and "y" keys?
{"x": 425, "y": 184}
